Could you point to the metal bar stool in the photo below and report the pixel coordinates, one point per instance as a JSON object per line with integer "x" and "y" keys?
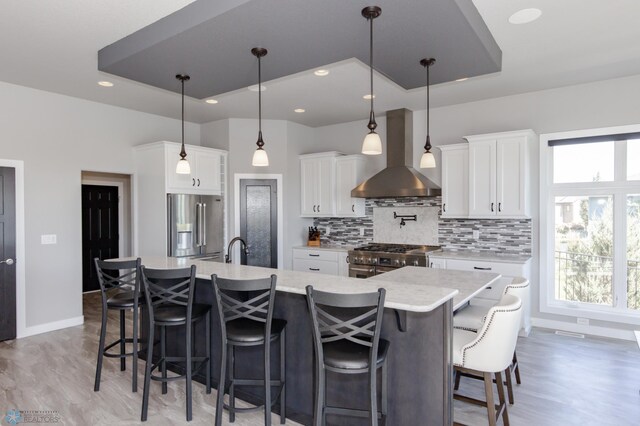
{"x": 347, "y": 341}
{"x": 246, "y": 319}
{"x": 120, "y": 290}
{"x": 169, "y": 294}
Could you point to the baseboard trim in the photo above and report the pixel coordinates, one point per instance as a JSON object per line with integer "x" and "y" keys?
{"x": 51, "y": 326}
{"x": 592, "y": 330}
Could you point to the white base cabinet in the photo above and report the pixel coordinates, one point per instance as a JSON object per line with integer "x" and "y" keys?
{"x": 320, "y": 261}
{"x": 493, "y": 293}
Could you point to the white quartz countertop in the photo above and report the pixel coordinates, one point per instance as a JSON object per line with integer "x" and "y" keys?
{"x": 407, "y": 295}
{"x": 468, "y": 283}
{"x": 480, "y": 256}
{"x": 328, "y": 247}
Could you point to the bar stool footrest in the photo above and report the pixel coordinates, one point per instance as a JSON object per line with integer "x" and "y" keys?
{"x": 353, "y": 412}
{"x": 113, "y": 344}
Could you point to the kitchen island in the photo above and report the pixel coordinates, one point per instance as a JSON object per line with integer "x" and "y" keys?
{"x": 417, "y": 322}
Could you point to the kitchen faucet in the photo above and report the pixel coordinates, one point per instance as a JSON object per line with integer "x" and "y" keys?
{"x": 227, "y": 257}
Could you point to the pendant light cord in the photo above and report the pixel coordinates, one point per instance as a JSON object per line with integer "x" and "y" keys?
{"x": 428, "y": 142}
{"x": 260, "y": 142}
{"x": 372, "y": 119}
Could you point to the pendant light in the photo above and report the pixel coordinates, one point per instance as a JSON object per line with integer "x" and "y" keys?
{"x": 427, "y": 161}
{"x": 183, "y": 168}
{"x": 260, "y": 158}
{"x": 372, "y": 144}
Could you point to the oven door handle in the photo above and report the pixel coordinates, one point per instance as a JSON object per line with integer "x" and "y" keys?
{"x": 356, "y": 269}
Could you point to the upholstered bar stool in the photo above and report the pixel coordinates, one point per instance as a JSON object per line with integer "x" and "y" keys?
{"x": 473, "y": 316}
{"x": 120, "y": 290}
{"x": 169, "y": 294}
{"x": 245, "y": 308}
{"x": 346, "y": 335}
{"x": 488, "y": 352}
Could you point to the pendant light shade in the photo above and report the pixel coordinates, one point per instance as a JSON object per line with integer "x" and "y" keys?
{"x": 428, "y": 161}
{"x": 183, "y": 167}
{"x": 372, "y": 144}
{"x": 260, "y": 158}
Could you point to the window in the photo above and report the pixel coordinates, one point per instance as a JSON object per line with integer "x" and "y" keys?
{"x": 590, "y": 225}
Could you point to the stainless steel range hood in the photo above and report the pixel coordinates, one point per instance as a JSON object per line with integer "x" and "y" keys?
{"x": 399, "y": 178}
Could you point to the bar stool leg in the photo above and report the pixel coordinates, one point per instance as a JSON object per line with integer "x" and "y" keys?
{"x": 283, "y": 368}
{"x": 373, "y": 396}
{"x": 507, "y": 374}
{"x": 189, "y": 367}
{"x": 207, "y": 320}
{"x": 501, "y": 399}
{"x": 320, "y": 399}
{"x": 222, "y": 384}
{"x": 103, "y": 333}
{"x": 491, "y": 407}
{"x": 123, "y": 360}
{"x": 163, "y": 354}
{"x": 385, "y": 396}
{"x": 147, "y": 374}
{"x": 267, "y": 382}
{"x": 517, "y": 369}
{"x": 232, "y": 398}
{"x": 134, "y": 359}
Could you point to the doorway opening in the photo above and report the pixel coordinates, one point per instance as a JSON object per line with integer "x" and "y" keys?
{"x": 258, "y": 218}
{"x": 7, "y": 253}
{"x": 106, "y": 221}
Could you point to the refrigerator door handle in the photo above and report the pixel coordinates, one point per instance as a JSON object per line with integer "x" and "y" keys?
{"x": 204, "y": 223}
{"x": 198, "y": 226}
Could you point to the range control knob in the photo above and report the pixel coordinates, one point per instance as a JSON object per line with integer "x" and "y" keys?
{"x": 416, "y": 263}
{"x": 397, "y": 262}
{"x": 404, "y": 263}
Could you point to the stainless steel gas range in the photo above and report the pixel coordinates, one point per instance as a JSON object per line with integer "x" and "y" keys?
{"x": 375, "y": 259}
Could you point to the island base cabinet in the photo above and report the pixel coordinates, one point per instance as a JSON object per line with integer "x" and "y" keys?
{"x": 419, "y": 361}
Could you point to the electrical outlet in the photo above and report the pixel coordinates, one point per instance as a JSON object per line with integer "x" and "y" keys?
{"x": 327, "y": 230}
{"x": 583, "y": 321}
{"x": 476, "y": 234}
{"x": 48, "y": 239}
{"x": 362, "y": 232}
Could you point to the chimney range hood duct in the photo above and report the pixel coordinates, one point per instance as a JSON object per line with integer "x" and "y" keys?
{"x": 399, "y": 178}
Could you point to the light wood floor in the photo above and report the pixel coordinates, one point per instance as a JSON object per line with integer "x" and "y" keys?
{"x": 566, "y": 381}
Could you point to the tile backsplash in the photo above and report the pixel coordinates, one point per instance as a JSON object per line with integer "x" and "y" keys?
{"x": 505, "y": 236}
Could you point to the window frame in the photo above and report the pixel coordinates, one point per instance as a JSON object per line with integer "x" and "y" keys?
{"x": 619, "y": 189}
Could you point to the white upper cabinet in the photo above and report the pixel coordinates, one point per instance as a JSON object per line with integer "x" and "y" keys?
{"x": 499, "y": 174}
{"x": 455, "y": 180}
{"x": 205, "y": 170}
{"x": 318, "y": 184}
{"x": 326, "y": 183}
{"x": 349, "y": 174}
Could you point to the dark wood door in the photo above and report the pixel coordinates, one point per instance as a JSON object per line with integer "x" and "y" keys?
{"x": 7, "y": 254}
{"x": 99, "y": 230}
{"x": 259, "y": 221}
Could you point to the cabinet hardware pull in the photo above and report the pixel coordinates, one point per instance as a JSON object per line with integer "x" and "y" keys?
{"x": 198, "y": 182}
{"x": 492, "y": 206}
{"x": 314, "y": 207}
{"x": 353, "y": 208}
{"x": 318, "y": 208}
{"x": 314, "y": 269}
{"x": 314, "y": 255}
{"x": 347, "y": 259}
{"x": 481, "y": 269}
{"x": 444, "y": 207}
{"x": 488, "y": 288}
{"x": 194, "y": 182}
{"x": 431, "y": 266}
{"x": 499, "y": 207}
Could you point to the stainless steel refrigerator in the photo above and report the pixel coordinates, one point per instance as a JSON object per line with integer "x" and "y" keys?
{"x": 196, "y": 226}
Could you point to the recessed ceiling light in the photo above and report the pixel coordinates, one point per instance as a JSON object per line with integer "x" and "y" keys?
{"x": 105, "y": 83}
{"x": 299, "y": 110}
{"x": 525, "y": 16}
{"x": 254, "y": 88}
{"x": 368, "y": 97}
{"x": 321, "y": 73}
{"x": 211, "y": 101}
{"x": 463, "y": 79}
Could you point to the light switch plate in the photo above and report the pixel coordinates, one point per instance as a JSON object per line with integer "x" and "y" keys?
{"x": 476, "y": 234}
{"x": 49, "y": 239}
{"x": 583, "y": 321}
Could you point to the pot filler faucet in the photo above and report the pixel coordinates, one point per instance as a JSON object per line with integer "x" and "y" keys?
{"x": 243, "y": 246}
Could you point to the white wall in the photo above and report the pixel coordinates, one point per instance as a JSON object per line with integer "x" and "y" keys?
{"x": 58, "y": 136}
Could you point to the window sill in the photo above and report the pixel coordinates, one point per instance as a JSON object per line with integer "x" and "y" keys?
{"x": 591, "y": 312}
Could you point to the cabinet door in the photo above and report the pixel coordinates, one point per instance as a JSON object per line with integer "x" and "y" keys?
{"x": 326, "y": 184}
{"x": 455, "y": 183}
{"x": 343, "y": 264}
{"x": 482, "y": 179}
{"x": 347, "y": 177}
{"x": 437, "y": 263}
{"x": 308, "y": 187}
{"x": 208, "y": 172}
{"x": 511, "y": 157}
{"x": 174, "y": 180}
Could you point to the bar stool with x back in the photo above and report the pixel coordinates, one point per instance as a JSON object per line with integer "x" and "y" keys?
{"x": 346, "y": 335}
{"x": 169, "y": 294}
{"x": 120, "y": 290}
{"x": 245, "y": 308}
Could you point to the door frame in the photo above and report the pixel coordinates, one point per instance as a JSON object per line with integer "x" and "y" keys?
{"x": 120, "y": 186}
{"x": 21, "y": 306}
{"x": 236, "y": 208}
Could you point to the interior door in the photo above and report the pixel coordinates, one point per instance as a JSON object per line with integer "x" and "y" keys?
{"x": 100, "y": 234}
{"x": 7, "y": 254}
{"x": 259, "y": 221}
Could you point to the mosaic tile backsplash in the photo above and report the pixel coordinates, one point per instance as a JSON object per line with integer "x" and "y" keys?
{"x": 505, "y": 236}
